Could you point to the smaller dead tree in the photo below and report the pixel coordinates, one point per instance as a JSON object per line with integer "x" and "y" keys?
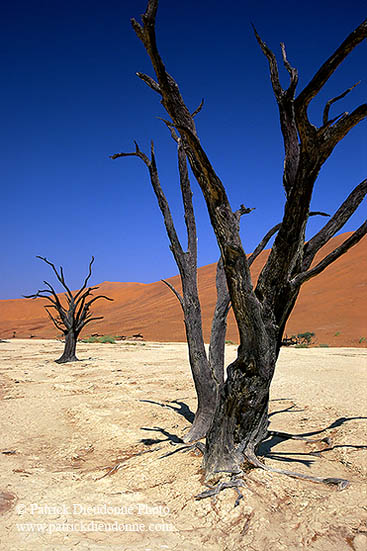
{"x": 70, "y": 319}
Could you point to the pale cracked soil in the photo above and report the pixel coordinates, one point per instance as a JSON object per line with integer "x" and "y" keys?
{"x": 63, "y": 427}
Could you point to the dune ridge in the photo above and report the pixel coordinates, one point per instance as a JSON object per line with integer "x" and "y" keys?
{"x": 332, "y": 305}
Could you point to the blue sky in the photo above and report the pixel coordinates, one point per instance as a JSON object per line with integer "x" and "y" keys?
{"x": 70, "y": 98}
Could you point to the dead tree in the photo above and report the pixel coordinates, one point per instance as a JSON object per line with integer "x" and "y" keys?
{"x": 207, "y": 369}
{"x": 207, "y": 372}
{"x": 261, "y": 311}
{"x": 70, "y": 319}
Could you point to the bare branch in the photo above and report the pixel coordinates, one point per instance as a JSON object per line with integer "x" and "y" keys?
{"x": 293, "y": 73}
{"x": 150, "y": 82}
{"x": 85, "y": 293}
{"x": 332, "y": 135}
{"x": 261, "y": 246}
{"x": 171, "y": 96}
{"x": 171, "y": 128}
{"x": 219, "y": 324}
{"x": 85, "y": 313}
{"x": 327, "y": 69}
{"x": 286, "y": 111}
{"x": 330, "y": 258}
{"x": 38, "y": 295}
{"x": 138, "y": 29}
{"x": 57, "y": 323}
{"x": 221, "y": 214}
{"x": 85, "y": 281}
{"x": 174, "y": 291}
{"x": 325, "y": 117}
{"x": 273, "y": 65}
{"x": 136, "y": 153}
{"x": 60, "y": 276}
{"x": 318, "y": 213}
{"x": 151, "y": 12}
{"x": 84, "y": 323}
{"x": 198, "y": 109}
{"x": 55, "y": 300}
{"x": 188, "y": 206}
{"x": 242, "y": 210}
{"x": 97, "y": 298}
{"x": 336, "y": 222}
{"x": 162, "y": 200}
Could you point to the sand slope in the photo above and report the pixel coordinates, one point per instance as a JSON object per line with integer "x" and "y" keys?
{"x": 332, "y": 305}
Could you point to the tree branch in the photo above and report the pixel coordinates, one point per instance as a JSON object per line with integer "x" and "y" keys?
{"x": 84, "y": 323}
{"x": 261, "y": 246}
{"x": 60, "y": 276}
{"x": 136, "y": 153}
{"x": 220, "y": 212}
{"x": 85, "y": 281}
{"x": 187, "y": 203}
{"x": 336, "y": 222}
{"x": 198, "y": 109}
{"x": 54, "y": 320}
{"x": 86, "y": 293}
{"x": 83, "y": 314}
{"x": 328, "y": 68}
{"x": 325, "y": 117}
{"x": 332, "y": 135}
{"x": 162, "y": 201}
{"x": 293, "y": 73}
{"x": 286, "y": 111}
{"x": 273, "y": 66}
{"x": 174, "y": 291}
{"x": 219, "y": 324}
{"x": 332, "y": 257}
{"x": 150, "y": 82}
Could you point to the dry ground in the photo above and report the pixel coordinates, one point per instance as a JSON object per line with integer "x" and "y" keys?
{"x": 63, "y": 427}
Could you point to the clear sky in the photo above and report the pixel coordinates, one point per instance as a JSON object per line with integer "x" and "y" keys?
{"x": 70, "y": 98}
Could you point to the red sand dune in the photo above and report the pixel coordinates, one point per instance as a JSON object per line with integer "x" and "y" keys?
{"x": 333, "y": 305}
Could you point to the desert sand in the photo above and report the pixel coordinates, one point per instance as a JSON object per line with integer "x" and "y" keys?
{"x": 64, "y": 429}
{"x": 332, "y": 305}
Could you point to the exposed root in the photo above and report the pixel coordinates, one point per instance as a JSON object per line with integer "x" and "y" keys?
{"x": 214, "y": 490}
{"x": 288, "y": 436}
{"x": 115, "y": 468}
{"x": 198, "y": 445}
{"x": 341, "y": 483}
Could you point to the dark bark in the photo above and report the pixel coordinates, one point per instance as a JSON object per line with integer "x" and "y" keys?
{"x": 219, "y": 326}
{"x": 69, "y": 354}
{"x": 73, "y": 318}
{"x": 207, "y": 378}
{"x": 241, "y": 418}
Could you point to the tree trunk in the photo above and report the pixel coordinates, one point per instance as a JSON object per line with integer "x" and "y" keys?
{"x": 206, "y": 385}
{"x": 219, "y": 325}
{"x": 241, "y": 418}
{"x": 68, "y": 355}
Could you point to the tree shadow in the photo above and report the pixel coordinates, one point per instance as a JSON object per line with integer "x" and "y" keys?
{"x": 267, "y": 446}
{"x": 289, "y": 409}
{"x": 173, "y": 438}
{"x": 337, "y": 423}
{"x": 183, "y": 408}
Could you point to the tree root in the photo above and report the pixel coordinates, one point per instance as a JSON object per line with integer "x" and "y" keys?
{"x": 341, "y": 483}
{"x": 214, "y": 490}
{"x": 197, "y": 445}
{"x": 115, "y": 468}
